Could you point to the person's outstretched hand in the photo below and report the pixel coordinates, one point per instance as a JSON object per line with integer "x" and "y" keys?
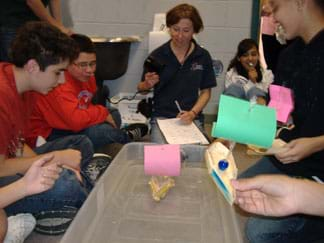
{"x": 298, "y": 149}
{"x": 269, "y": 195}
{"x": 41, "y": 176}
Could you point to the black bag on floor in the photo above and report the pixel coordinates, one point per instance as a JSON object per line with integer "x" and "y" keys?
{"x": 145, "y": 107}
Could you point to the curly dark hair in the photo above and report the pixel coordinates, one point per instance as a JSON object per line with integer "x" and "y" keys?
{"x": 43, "y": 42}
{"x": 185, "y": 11}
{"x": 243, "y": 47}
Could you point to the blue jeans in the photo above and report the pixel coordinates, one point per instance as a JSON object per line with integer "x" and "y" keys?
{"x": 237, "y": 90}
{"x": 7, "y": 35}
{"x": 99, "y": 134}
{"x": 291, "y": 229}
{"x": 156, "y": 134}
{"x": 67, "y": 190}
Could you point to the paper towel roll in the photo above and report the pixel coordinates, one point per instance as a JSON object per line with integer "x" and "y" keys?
{"x": 157, "y": 38}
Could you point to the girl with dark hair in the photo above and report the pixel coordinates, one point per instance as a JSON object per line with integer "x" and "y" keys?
{"x": 245, "y": 78}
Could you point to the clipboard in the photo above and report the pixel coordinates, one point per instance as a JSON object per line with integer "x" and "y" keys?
{"x": 175, "y": 132}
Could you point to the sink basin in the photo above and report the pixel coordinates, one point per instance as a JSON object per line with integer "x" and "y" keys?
{"x": 112, "y": 56}
{"x": 112, "y": 62}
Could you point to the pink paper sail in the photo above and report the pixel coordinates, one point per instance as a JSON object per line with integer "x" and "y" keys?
{"x": 162, "y": 160}
{"x": 281, "y": 99}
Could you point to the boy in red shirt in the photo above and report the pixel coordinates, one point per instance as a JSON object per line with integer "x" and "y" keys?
{"x": 68, "y": 109}
{"x": 40, "y": 54}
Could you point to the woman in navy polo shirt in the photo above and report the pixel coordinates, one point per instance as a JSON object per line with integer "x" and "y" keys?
{"x": 183, "y": 74}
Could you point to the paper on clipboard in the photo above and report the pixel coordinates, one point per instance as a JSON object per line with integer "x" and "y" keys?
{"x": 177, "y": 133}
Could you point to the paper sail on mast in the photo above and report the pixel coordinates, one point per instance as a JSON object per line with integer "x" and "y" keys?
{"x": 240, "y": 122}
{"x": 281, "y": 99}
{"x": 162, "y": 160}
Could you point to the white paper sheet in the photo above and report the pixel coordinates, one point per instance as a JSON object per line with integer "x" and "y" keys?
{"x": 177, "y": 133}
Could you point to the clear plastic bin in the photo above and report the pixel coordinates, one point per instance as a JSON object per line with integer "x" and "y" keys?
{"x": 121, "y": 209}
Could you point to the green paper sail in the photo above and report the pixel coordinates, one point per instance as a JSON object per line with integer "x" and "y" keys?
{"x": 237, "y": 122}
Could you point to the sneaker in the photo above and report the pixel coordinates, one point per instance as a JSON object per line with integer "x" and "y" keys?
{"x": 97, "y": 166}
{"x": 19, "y": 227}
{"x": 136, "y": 131}
{"x": 55, "y": 222}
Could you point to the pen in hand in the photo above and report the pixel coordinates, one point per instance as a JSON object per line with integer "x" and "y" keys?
{"x": 181, "y": 114}
{"x": 185, "y": 117}
{"x": 178, "y": 106}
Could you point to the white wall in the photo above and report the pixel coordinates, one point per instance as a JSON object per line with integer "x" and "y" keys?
{"x": 226, "y": 23}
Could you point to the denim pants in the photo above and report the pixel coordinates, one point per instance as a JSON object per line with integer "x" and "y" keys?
{"x": 67, "y": 190}
{"x": 157, "y": 136}
{"x": 290, "y": 229}
{"x": 7, "y": 35}
{"x": 237, "y": 90}
{"x": 99, "y": 134}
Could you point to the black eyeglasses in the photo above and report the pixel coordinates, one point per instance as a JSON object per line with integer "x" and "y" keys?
{"x": 85, "y": 65}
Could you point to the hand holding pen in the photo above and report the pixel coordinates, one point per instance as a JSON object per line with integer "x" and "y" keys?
{"x": 186, "y": 117}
